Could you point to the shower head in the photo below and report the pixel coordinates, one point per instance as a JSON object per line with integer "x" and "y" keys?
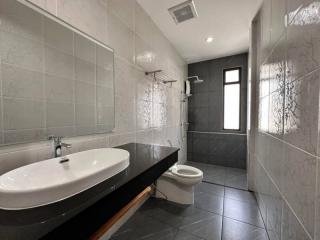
{"x": 195, "y": 79}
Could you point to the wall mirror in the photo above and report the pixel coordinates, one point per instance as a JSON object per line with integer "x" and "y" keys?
{"x": 55, "y": 79}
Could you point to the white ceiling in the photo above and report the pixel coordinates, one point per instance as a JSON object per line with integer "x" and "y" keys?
{"x": 227, "y": 21}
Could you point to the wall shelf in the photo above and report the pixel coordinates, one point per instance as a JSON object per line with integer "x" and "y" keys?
{"x": 160, "y": 76}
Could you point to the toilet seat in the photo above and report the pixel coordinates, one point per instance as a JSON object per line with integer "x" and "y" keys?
{"x": 177, "y": 184}
{"x": 185, "y": 171}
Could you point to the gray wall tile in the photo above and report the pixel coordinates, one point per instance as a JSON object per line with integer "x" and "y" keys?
{"x": 205, "y": 108}
{"x": 22, "y": 83}
{"x": 287, "y": 144}
{"x": 23, "y": 114}
{"x": 60, "y": 114}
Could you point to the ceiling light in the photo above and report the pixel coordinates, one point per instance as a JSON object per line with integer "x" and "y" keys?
{"x": 209, "y": 39}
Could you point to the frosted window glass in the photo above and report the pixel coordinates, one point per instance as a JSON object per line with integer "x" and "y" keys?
{"x": 232, "y": 76}
{"x": 232, "y": 106}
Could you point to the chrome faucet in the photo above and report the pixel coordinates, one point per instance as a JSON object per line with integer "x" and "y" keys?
{"x": 58, "y": 144}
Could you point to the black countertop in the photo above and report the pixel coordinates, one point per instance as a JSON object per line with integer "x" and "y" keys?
{"x": 147, "y": 163}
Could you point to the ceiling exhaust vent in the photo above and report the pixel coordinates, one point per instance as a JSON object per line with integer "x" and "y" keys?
{"x": 183, "y": 11}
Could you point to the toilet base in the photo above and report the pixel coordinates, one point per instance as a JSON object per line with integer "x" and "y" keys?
{"x": 174, "y": 191}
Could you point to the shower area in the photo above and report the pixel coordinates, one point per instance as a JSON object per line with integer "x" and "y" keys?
{"x": 217, "y": 116}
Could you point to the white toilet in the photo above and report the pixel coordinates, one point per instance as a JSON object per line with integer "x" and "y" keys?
{"x": 177, "y": 184}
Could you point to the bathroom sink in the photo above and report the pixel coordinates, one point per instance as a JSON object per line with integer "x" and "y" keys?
{"x": 55, "y": 179}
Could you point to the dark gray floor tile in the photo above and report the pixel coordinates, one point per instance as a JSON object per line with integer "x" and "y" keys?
{"x": 168, "y": 234}
{"x": 236, "y": 178}
{"x": 214, "y": 176}
{"x": 211, "y": 173}
{"x": 243, "y": 211}
{"x": 209, "y": 188}
{"x": 231, "y": 177}
{"x": 172, "y": 235}
{"x": 209, "y": 229}
{"x": 124, "y": 235}
{"x": 209, "y": 202}
{"x": 235, "y": 230}
{"x": 136, "y": 228}
{"x": 181, "y": 235}
{"x": 240, "y": 195}
{"x": 173, "y": 214}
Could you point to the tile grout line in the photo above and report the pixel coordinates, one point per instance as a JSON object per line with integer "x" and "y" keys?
{"x": 223, "y": 216}
{"x": 289, "y": 144}
{"x": 285, "y": 201}
{"x": 224, "y": 197}
{"x": 219, "y": 184}
{"x": 264, "y": 223}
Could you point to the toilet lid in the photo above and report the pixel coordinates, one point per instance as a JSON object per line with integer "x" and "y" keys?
{"x": 186, "y": 171}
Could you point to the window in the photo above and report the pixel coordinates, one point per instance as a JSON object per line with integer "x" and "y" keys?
{"x": 231, "y": 92}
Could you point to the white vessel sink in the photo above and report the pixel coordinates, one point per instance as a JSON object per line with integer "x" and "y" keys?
{"x": 55, "y": 179}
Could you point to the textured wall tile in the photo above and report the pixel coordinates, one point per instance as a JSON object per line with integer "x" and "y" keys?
{"x": 299, "y": 185}
{"x": 23, "y": 114}
{"x": 294, "y": 6}
{"x": 294, "y": 60}
{"x": 85, "y": 93}
{"x": 60, "y": 114}
{"x": 124, "y": 76}
{"x": 88, "y": 16}
{"x": 69, "y": 131}
{"x": 264, "y": 82}
{"x": 85, "y": 115}
{"x": 17, "y": 19}
{"x": 124, "y": 9}
{"x": 125, "y": 114}
{"x": 58, "y": 37}
{"x": 144, "y": 26}
{"x": 274, "y": 159}
{"x": 24, "y": 136}
{"x": 85, "y": 49}
{"x": 21, "y": 52}
{"x": 278, "y": 19}
{"x": 105, "y": 96}
{"x": 159, "y": 114}
{"x": 116, "y": 140}
{"x": 9, "y": 161}
{"x": 85, "y": 71}
{"x": 291, "y": 228}
{"x": 58, "y": 63}
{"x": 144, "y": 115}
{"x": 262, "y": 186}
{"x": 145, "y": 55}
{"x": 317, "y": 221}
{"x": 265, "y": 29}
{"x": 277, "y": 63}
{"x": 144, "y": 87}
{"x": 121, "y": 38}
{"x": 301, "y": 112}
{"x": 274, "y": 213}
{"x": 144, "y": 137}
{"x": 87, "y": 144}
{"x": 159, "y": 93}
{"x": 263, "y": 117}
{"x": 22, "y": 83}
{"x": 303, "y": 42}
{"x": 276, "y": 114}
{"x": 58, "y": 88}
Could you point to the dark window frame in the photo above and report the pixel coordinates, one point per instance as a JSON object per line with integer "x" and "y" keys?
{"x": 232, "y": 83}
